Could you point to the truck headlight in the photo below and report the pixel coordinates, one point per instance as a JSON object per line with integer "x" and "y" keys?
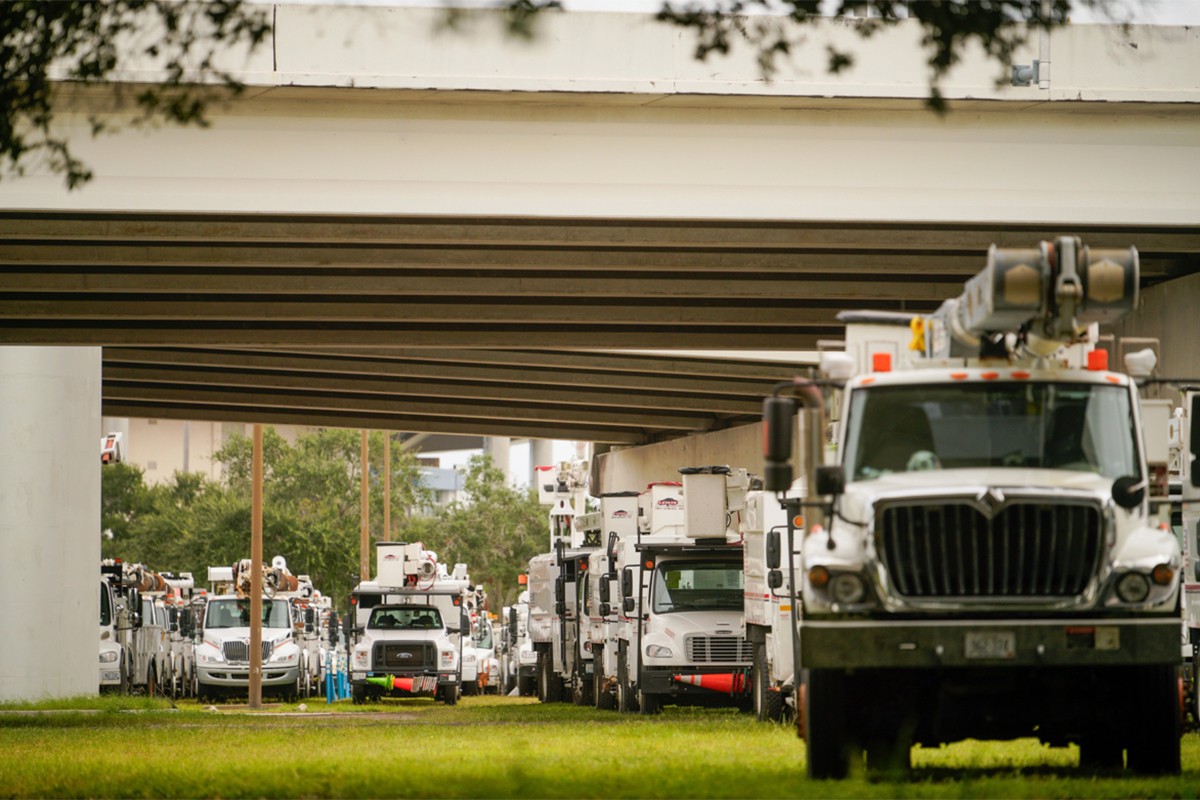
{"x": 1133, "y": 587}
{"x": 848, "y": 588}
{"x": 109, "y": 656}
{"x": 285, "y": 654}
{"x": 209, "y": 655}
{"x": 447, "y": 658}
{"x": 658, "y": 651}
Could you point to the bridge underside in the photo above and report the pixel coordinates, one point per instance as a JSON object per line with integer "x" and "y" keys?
{"x": 477, "y": 325}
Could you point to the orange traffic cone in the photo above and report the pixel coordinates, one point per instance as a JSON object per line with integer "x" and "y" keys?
{"x": 727, "y": 682}
{"x": 403, "y": 684}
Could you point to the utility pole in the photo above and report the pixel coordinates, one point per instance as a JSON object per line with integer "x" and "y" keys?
{"x": 387, "y": 486}
{"x": 364, "y": 543}
{"x": 256, "y": 506}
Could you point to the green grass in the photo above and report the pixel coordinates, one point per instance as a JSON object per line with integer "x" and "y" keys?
{"x": 490, "y": 747}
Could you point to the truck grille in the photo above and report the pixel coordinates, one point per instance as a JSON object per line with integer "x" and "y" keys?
{"x": 955, "y": 549}
{"x": 723, "y": 649}
{"x": 404, "y": 656}
{"x": 240, "y": 651}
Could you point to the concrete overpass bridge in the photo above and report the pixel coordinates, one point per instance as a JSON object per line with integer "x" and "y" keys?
{"x": 452, "y": 233}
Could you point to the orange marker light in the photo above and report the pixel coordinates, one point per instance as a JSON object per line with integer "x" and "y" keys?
{"x": 1020, "y": 375}
{"x": 818, "y": 577}
{"x": 958, "y": 376}
{"x": 990, "y": 376}
{"x": 1162, "y": 574}
{"x": 797, "y": 521}
{"x": 1097, "y": 360}
{"x": 649, "y": 565}
{"x": 881, "y": 362}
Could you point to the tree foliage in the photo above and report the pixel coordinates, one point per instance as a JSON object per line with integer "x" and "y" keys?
{"x": 47, "y": 46}
{"x": 948, "y": 28}
{"x": 311, "y": 508}
{"x": 311, "y": 513}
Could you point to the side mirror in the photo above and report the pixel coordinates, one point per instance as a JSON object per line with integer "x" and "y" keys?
{"x": 629, "y": 605}
{"x": 310, "y": 620}
{"x": 831, "y": 480}
{"x": 173, "y": 619}
{"x": 605, "y": 609}
{"x": 135, "y": 608}
{"x": 627, "y": 583}
{"x": 1129, "y": 491}
{"x": 560, "y": 589}
{"x": 773, "y": 549}
{"x": 187, "y": 623}
{"x": 605, "y": 589}
{"x": 560, "y": 608}
{"x": 1194, "y": 443}
{"x": 775, "y": 579}
{"x": 778, "y": 413}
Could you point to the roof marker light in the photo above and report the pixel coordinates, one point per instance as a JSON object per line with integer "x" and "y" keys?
{"x": 1020, "y": 375}
{"x": 990, "y": 376}
{"x": 1097, "y": 360}
{"x": 958, "y": 376}
{"x": 881, "y": 362}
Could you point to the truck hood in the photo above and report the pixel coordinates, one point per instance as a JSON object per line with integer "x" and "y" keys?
{"x": 374, "y": 635}
{"x": 273, "y": 635}
{"x": 704, "y": 623}
{"x": 860, "y": 495}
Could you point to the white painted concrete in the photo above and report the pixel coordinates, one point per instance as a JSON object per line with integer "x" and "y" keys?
{"x": 373, "y": 111}
{"x": 50, "y": 525}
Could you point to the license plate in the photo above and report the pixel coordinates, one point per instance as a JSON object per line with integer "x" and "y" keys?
{"x": 991, "y": 644}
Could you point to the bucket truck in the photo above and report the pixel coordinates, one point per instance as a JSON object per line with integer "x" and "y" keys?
{"x": 682, "y": 635}
{"x": 981, "y": 559}
{"x": 411, "y": 626}
{"x": 564, "y": 665}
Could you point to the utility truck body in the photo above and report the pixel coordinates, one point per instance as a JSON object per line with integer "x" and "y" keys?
{"x": 987, "y": 563}
{"x": 681, "y": 630}
{"x": 409, "y": 627}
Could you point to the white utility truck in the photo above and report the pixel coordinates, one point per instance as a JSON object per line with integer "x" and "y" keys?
{"x": 682, "y": 637}
{"x": 768, "y": 608}
{"x": 981, "y": 559}
{"x": 409, "y": 626}
{"x": 616, "y": 521}
{"x": 222, "y": 650}
{"x": 564, "y": 665}
{"x": 137, "y": 626}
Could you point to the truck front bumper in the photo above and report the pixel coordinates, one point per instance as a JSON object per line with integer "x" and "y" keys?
{"x": 661, "y": 680}
{"x": 238, "y": 675}
{"x": 865, "y": 644}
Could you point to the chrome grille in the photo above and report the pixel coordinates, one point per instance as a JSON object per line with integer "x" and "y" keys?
{"x": 404, "y": 655}
{"x": 955, "y": 549}
{"x": 240, "y": 651}
{"x": 723, "y": 649}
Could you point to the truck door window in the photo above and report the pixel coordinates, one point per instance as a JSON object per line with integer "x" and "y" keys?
{"x": 105, "y": 608}
{"x": 696, "y": 586}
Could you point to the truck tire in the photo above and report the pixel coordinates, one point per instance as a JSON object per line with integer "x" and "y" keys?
{"x": 450, "y": 694}
{"x": 550, "y": 686}
{"x": 649, "y": 704}
{"x": 1101, "y": 752}
{"x": 603, "y": 694}
{"x": 358, "y": 694}
{"x": 123, "y": 686}
{"x": 626, "y": 703}
{"x": 768, "y": 705}
{"x": 1155, "y": 730}
{"x": 826, "y": 741}
{"x": 151, "y": 681}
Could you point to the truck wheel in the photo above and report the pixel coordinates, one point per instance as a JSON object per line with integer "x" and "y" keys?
{"x": 626, "y": 703}
{"x": 358, "y": 694}
{"x": 151, "y": 681}
{"x": 649, "y": 703}
{"x": 450, "y": 694}
{"x": 1155, "y": 731}
{"x": 602, "y": 694}
{"x": 123, "y": 686}
{"x": 826, "y": 740}
{"x": 549, "y": 685}
{"x": 1101, "y": 752}
{"x": 768, "y": 705}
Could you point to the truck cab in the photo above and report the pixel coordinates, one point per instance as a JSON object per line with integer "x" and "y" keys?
{"x": 222, "y": 650}
{"x": 114, "y": 674}
{"x": 405, "y": 650}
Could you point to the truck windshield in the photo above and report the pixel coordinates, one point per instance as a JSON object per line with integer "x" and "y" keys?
{"x": 697, "y": 586}
{"x": 412, "y": 618}
{"x": 231, "y": 613}
{"x": 1070, "y": 426}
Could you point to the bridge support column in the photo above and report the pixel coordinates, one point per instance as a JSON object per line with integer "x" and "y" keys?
{"x": 49, "y": 521}
{"x": 541, "y": 454}
{"x": 499, "y": 447}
